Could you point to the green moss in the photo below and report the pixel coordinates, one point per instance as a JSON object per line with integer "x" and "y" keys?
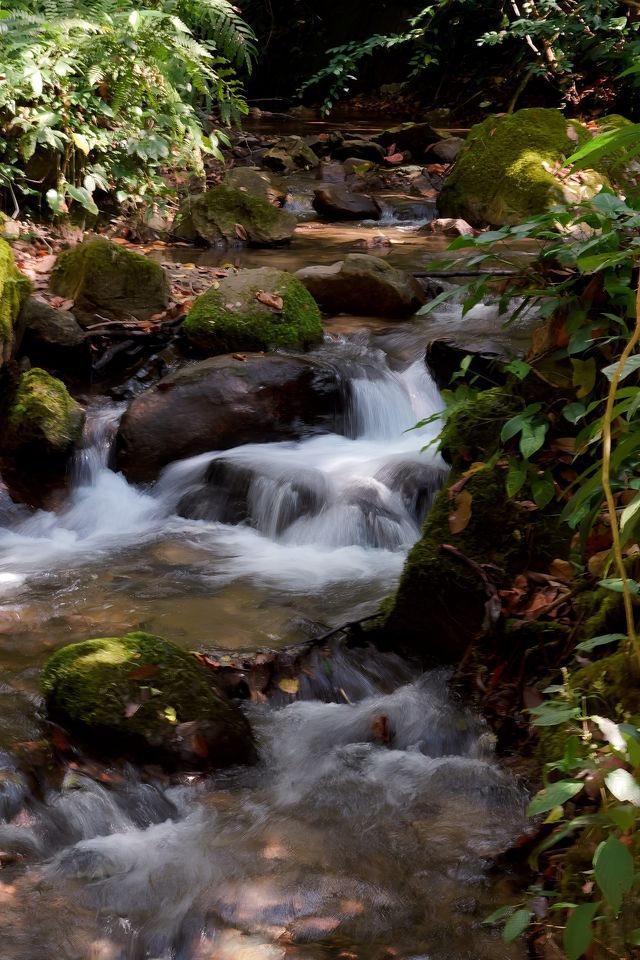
{"x": 231, "y": 318}
{"x": 473, "y": 431}
{"x": 41, "y": 410}
{"x": 224, "y": 213}
{"x": 14, "y": 292}
{"x": 95, "y": 682}
{"x": 500, "y": 176}
{"x": 611, "y": 686}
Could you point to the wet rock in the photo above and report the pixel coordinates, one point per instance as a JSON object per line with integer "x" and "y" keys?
{"x": 486, "y": 368}
{"x": 416, "y": 482}
{"x": 289, "y": 154}
{"x": 223, "y": 402}
{"x": 414, "y": 137}
{"x": 447, "y": 150}
{"x": 504, "y": 173}
{"x": 141, "y": 695}
{"x": 336, "y": 202}
{"x": 258, "y": 183}
{"x": 104, "y": 278}
{"x": 332, "y": 172}
{"x": 54, "y": 340}
{"x": 359, "y": 150}
{"x": 365, "y": 285}
{"x": 254, "y": 310}
{"x": 14, "y": 291}
{"x": 449, "y": 227}
{"x": 42, "y": 420}
{"x": 226, "y": 215}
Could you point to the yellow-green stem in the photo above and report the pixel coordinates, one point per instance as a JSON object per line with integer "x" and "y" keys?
{"x": 606, "y": 482}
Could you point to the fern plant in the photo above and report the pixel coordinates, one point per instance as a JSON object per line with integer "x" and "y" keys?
{"x": 99, "y": 95}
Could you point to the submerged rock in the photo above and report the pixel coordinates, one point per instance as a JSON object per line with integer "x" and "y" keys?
{"x": 142, "y": 695}
{"x": 254, "y": 310}
{"x": 226, "y": 215}
{"x": 223, "y": 402}
{"x": 505, "y": 171}
{"x": 14, "y": 291}
{"x": 105, "y": 278}
{"x": 364, "y": 285}
{"x": 337, "y": 202}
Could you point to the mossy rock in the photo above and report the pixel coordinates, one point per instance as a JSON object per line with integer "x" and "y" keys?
{"x": 105, "y": 278}
{"x": 442, "y": 603}
{"x": 143, "y": 696}
{"x": 42, "y": 419}
{"x": 234, "y": 317}
{"x": 501, "y": 174}
{"x": 14, "y": 292}
{"x": 226, "y": 215}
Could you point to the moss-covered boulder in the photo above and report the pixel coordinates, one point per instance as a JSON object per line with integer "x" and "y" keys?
{"x": 104, "y": 278}
{"x": 14, "y": 292}
{"x": 505, "y": 171}
{"x": 258, "y": 183}
{"x": 143, "y": 696}
{"x": 226, "y": 215}
{"x": 254, "y": 310}
{"x": 475, "y": 539}
{"x": 42, "y": 421}
{"x": 289, "y": 154}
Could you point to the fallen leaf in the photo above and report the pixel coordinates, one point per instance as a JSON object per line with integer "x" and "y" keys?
{"x": 380, "y": 729}
{"x": 395, "y": 158}
{"x": 44, "y": 264}
{"x": 461, "y": 513}
{"x": 144, "y": 672}
{"x": 561, "y": 570}
{"x": 572, "y": 134}
{"x": 289, "y": 685}
{"x": 67, "y": 304}
{"x": 597, "y": 563}
{"x": 270, "y": 299}
{"x": 239, "y": 356}
{"x": 199, "y": 745}
{"x": 131, "y": 709}
{"x": 240, "y": 232}
{"x": 59, "y": 739}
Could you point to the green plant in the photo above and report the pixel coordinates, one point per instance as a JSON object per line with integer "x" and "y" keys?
{"x": 100, "y": 95}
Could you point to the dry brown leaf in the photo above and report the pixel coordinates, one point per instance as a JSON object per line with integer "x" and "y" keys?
{"x": 240, "y": 232}
{"x": 561, "y": 570}
{"x": 395, "y": 158}
{"x": 270, "y": 299}
{"x": 199, "y": 746}
{"x": 598, "y": 562}
{"x": 145, "y": 672}
{"x": 380, "y": 729}
{"x": 131, "y": 709}
{"x": 461, "y": 513}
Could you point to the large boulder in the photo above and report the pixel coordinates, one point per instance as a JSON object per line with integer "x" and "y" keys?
{"x": 42, "y": 423}
{"x": 289, "y": 154}
{"x": 505, "y": 172}
{"x": 142, "y": 696}
{"x": 336, "y": 202}
{"x": 103, "y": 278}
{"x": 226, "y": 215}
{"x": 225, "y": 401}
{"x": 359, "y": 150}
{"x": 414, "y": 137}
{"x": 254, "y": 310}
{"x": 363, "y": 285}
{"x": 258, "y": 183}
{"x": 54, "y": 339}
{"x": 14, "y": 291}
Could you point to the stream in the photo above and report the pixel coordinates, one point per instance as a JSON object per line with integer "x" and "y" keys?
{"x": 335, "y": 844}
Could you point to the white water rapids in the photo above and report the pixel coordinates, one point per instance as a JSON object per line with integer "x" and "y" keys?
{"x": 338, "y": 844}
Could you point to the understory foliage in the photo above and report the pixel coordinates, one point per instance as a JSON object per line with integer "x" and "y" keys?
{"x": 575, "y": 442}
{"x": 570, "y": 44}
{"x": 98, "y": 95}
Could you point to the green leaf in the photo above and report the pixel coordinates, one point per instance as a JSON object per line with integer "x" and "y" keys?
{"x": 584, "y": 376}
{"x": 516, "y": 924}
{"x": 518, "y": 368}
{"x": 83, "y": 197}
{"x": 631, "y": 364}
{"x": 623, "y": 817}
{"x": 37, "y": 84}
{"x": 516, "y": 476}
{"x": 499, "y": 914}
{"x": 634, "y": 937}
{"x": 441, "y": 298}
{"x": 81, "y": 142}
{"x": 542, "y": 489}
{"x": 578, "y": 932}
{"x": 532, "y": 437}
{"x": 623, "y": 786}
{"x": 554, "y": 794}
{"x": 614, "y": 871}
{"x": 552, "y": 713}
{"x": 615, "y": 585}
{"x": 601, "y": 641}
{"x": 600, "y": 261}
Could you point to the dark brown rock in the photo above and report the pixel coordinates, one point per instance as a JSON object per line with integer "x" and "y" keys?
{"x": 222, "y": 402}
{"x": 363, "y": 285}
{"x": 336, "y": 202}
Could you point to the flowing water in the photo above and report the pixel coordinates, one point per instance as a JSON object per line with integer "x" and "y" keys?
{"x": 340, "y": 842}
